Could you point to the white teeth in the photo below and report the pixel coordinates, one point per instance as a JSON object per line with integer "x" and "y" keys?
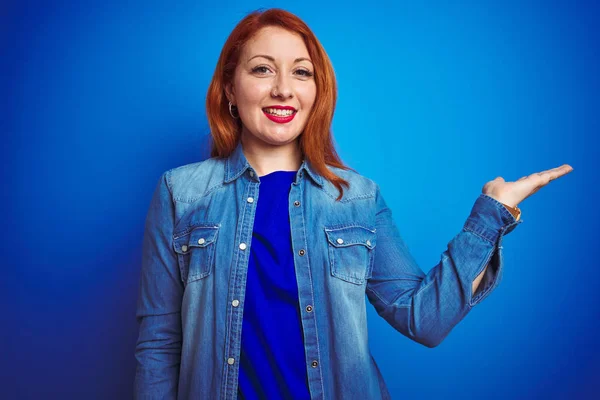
{"x": 279, "y": 112}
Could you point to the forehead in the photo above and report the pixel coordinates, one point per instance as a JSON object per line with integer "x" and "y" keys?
{"x": 276, "y": 42}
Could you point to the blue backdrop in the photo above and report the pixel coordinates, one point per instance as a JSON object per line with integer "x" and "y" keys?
{"x": 99, "y": 98}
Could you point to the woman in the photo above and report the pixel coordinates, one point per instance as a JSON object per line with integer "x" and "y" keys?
{"x": 256, "y": 261}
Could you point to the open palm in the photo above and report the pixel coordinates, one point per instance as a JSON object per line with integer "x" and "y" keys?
{"x": 512, "y": 193}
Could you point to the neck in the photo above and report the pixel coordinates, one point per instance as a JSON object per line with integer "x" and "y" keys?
{"x": 266, "y": 158}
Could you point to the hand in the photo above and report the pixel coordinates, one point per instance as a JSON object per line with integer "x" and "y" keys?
{"x": 512, "y": 193}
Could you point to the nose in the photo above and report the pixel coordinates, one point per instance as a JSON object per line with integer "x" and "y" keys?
{"x": 282, "y": 88}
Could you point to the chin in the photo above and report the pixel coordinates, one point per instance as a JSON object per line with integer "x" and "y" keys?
{"x": 279, "y": 141}
{"x": 280, "y": 138}
{"x": 275, "y": 137}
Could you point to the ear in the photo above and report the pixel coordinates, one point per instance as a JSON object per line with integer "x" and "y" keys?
{"x": 230, "y": 92}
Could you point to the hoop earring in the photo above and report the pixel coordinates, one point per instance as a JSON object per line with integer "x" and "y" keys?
{"x": 231, "y": 112}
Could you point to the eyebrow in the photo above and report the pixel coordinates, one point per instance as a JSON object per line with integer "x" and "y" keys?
{"x": 297, "y": 60}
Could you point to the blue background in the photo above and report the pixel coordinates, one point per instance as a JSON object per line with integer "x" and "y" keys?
{"x": 434, "y": 101}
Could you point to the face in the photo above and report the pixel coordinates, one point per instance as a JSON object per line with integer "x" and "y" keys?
{"x": 274, "y": 87}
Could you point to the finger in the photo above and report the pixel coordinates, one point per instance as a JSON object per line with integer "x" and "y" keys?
{"x": 534, "y": 182}
{"x": 555, "y": 173}
{"x": 563, "y": 168}
{"x": 542, "y": 178}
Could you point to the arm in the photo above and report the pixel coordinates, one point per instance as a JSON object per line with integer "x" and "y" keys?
{"x": 478, "y": 279}
{"x": 425, "y": 307}
{"x": 158, "y": 348}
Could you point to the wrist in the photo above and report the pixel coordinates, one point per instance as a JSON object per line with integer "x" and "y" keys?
{"x": 515, "y": 211}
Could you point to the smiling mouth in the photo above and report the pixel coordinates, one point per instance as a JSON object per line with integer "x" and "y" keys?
{"x": 279, "y": 115}
{"x": 278, "y": 112}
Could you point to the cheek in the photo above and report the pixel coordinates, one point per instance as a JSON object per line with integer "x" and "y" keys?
{"x": 251, "y": 94}
{"x": 307, "y": 96}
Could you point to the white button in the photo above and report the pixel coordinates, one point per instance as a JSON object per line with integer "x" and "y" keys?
{"x": 250, "y": 200}
{"x": 235, "y": 303}
{"x": 184, "y": 248}
{"x": 243, "y": 246}
{"x": 201, "y": 241}
{"x": 340, "y": 240}
{"x": 251, "y": 173}
{"x": 230, "y": 361}
{"x": 368, "y": 242}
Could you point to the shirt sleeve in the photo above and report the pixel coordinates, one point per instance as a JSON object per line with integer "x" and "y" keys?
{"x": 158, "y": 348}
{"x": 425, "y": 307}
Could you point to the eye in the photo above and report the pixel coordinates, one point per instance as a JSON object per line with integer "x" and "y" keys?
{"x": 261, "y": 69}
{"x": 304, "y": 72}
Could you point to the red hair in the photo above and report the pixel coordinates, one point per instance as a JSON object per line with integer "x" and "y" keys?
{"x": 316, "y": 141}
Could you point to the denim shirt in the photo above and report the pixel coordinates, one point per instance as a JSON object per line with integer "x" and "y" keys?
{"x": 194, "y": 262}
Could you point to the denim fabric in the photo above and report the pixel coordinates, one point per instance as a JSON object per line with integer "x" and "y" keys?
{"x": 195, "y": 255}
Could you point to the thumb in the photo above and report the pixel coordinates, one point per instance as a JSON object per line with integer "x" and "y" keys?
{"x": 499, "y": 179}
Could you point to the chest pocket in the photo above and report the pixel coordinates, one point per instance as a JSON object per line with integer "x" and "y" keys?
{"x": 351, "y": 252}
{"x": 195, "y": 250}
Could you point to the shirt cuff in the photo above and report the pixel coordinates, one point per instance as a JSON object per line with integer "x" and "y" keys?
{"x": 489, "y": 219}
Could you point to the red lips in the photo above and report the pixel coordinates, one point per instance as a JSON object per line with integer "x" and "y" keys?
{"x": 280, "y": 119}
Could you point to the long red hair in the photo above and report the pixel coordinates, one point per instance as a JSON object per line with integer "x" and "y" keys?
{"x": 316, "y": 141}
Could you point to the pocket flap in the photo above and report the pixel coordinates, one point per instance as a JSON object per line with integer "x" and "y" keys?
{"x": 351, "y": 235}
{"x": 198, "y": 236}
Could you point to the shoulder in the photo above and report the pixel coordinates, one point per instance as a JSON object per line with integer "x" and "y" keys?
{"x": 361, "y": 187}
{"x": 189, "y": 182}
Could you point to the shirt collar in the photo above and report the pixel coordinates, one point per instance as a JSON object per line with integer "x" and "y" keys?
{"x": 237, "y": 164}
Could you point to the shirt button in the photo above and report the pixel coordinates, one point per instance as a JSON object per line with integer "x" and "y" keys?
{"x": 243, "y": 246}
{"x": 340, "y": 240}
{"x": 201, "y": 241}
{"x": 301, "y": 252}
{"x": 251, "y": 173}
{"x": 230, "y": 361}
{"x": 309, "y": 308}
{"x": 235, "y": 303}
{"x": 184, "y": 248}
{"x": 297, "y": 203}
{"x": 250, "y": 200}
{"x": 314, "y": 363}
{"x": 368, "y": 242}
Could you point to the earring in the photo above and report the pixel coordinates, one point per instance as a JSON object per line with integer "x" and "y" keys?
{"x": 231, "y": 112}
